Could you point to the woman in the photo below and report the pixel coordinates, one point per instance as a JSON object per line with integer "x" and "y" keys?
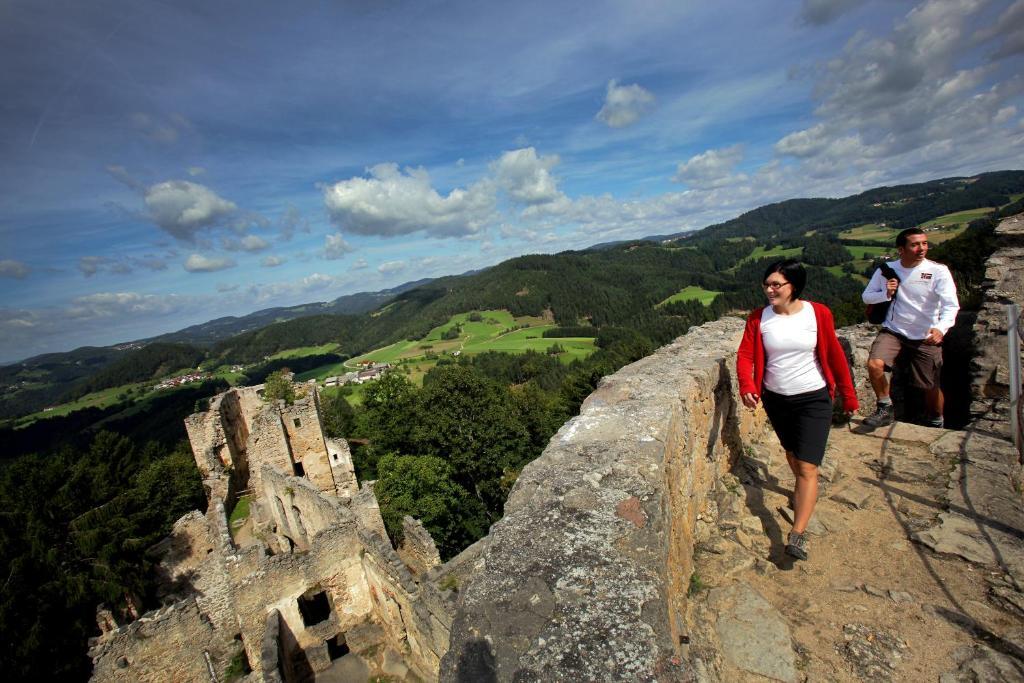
{"x": 790, "y": 358}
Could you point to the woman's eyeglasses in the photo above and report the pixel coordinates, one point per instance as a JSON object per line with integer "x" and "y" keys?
{"x": 774, "y": 285}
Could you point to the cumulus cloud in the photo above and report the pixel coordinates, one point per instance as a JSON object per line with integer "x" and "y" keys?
{"x": 198, "y": 263}
{"x": 271, "y": 261}
{"x": 182, "y": 208}
{"x": 624, "y": 104}
{"x": 389, "y": 267}
{"x": 13, "y": 269}
{"x": 196, "y": 170}
{"x": 250, "y": 243}
{"x": 907, "y": 99}
{"x": 335, "y": 247}
{"x": 709, "y": 169}
{"x": 818, "y": 12}
{"x": 292, "y": 222}
{"x": 360, "y": 264}
{"x": 117, "y": 304}
{"x": 526, "y": 176}
{"x": 393, "y": 202}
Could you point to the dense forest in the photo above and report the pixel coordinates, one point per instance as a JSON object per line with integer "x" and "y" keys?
{"x": 85, "y": 495}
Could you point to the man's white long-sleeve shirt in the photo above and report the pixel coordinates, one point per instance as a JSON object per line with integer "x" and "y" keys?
{"x": 926, "y": 298}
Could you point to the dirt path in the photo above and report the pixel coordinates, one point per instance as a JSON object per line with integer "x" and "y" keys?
{"x": 869, "y": 603}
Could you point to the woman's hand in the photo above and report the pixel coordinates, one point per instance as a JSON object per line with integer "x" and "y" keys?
{"x": 750, "y": 400}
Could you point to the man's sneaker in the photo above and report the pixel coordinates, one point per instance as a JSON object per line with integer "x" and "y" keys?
{"x": 796, "y": 546}
{"x": 881, "y": 417}
{"x": 935, "y": 422}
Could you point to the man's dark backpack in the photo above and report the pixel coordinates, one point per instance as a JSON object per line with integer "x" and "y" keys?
{"x": 876, "y": 312}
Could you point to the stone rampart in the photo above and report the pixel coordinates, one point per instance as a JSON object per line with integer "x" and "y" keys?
{"x": 1004, "y": 284}
{"x": 585, "y": 577}
{"x": 175, "y": 643}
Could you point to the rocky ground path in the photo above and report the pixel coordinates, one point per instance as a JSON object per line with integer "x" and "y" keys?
{"x": 916, "y": 565}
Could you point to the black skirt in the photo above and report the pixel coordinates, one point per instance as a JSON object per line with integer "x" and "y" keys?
{"x": 801, "y": 422}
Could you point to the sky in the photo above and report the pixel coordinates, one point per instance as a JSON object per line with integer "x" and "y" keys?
{"x": 166, "y": 163}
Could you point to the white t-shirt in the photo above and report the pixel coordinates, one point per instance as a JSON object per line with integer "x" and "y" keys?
{"x": 926, "y": 298}
{"x": 790, "y": 341}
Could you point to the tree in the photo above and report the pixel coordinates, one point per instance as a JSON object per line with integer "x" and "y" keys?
{"x": 337, "y": 415}
{"x": 473, "y": 423}
{"x": 423, "y": 487}
{"x": 278, "y": 387}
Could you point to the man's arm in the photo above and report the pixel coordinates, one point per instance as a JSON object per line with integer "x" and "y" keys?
{"x": 948, "y": 302}
{"x": 876, "y": 292}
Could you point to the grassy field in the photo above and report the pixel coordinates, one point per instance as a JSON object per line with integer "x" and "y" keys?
{"x": 870, "y": 232}
{"x": 495, "y": 331}
{"x": 690, "y": 293}
{"x": 97, "y": 399}
{"x": 775, "y": 252}
{"x": 305, "y": 351}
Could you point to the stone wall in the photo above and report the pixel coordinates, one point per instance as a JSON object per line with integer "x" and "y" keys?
{"x": 176, "y": 643}
{"x": 1004, "y": 284}
{"x": 585, "y": 577}
{"x": 297, "y": 508}
{"x": 418, "y": 551}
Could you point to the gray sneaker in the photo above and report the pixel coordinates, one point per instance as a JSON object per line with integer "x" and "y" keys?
{"x": 881, "y": 417}
{"x": 796, "y": 546}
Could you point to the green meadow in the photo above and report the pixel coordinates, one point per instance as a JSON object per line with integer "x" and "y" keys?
{"x": 691, "y": 293}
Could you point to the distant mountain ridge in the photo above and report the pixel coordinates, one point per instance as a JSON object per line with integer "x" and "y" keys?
{"x": 221, "y": 328}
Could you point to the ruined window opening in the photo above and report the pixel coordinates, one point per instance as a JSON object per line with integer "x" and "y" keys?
{"x": 300, "y": 471}
{"x": 297, "y": 422}
{"x": 335, "y": 456}
{"x": 315, "y": 608}
{"x": 337, "y": 647}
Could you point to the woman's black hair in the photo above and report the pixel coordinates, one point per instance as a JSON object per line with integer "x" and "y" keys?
{"x": 793, "y": 271}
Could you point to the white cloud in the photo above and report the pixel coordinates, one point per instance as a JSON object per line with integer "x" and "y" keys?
{"x": 224, "y": 287}
{"x": 818, "y": 12}
{"x": 389, "y": 267}
{"x": 197, "y": 263}
{"x": 624, "y": 104}
{"x": 250, "y": 243}
{"x": 526, "y": 176}
{"x": 196, "y": 170}
{"x": 271, "y": 261}
{"x": 391, "y": 203}
{"x": 13, "y": 269}
{"x": 915, "y": 102}
{"x": 292, "y": 222}
{"x": 117, "y": 304}
{"x": 360, "y": 264}
{"x": 182, "y": 208}
{"x": 335, "y": 247}
{"x": 709, "y": 169}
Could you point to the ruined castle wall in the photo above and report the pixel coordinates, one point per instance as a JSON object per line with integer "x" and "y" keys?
{"x": 206, "y": 436}
{"x": 1004, "y": 284}
{"x": 193, "y": 565}
{"x": 342, "y": 469}
{"x": 298, "y": 508}
{"x": 585, "y": 577}
{"x": 333, "y": 566}
{"x": 176, "y": 643}
{"x": 416, "y": 618}
{"x": 305, "y": 435}
{"x": 418, "y": 551}
{"x": 267, "y": 445}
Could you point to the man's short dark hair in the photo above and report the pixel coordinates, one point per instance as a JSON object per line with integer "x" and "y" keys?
{"x": 901, "y": 239}
{"x": 793, "y": 271}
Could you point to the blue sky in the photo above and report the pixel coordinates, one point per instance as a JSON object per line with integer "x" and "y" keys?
{"x": 162, "y": 164}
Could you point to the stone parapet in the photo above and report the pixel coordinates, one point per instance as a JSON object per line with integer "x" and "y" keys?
{"x": 1004, "y": 284}
{"x": 585, "y": 577}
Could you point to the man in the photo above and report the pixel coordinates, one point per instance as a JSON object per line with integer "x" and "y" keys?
{"x": 923, "y": 308}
